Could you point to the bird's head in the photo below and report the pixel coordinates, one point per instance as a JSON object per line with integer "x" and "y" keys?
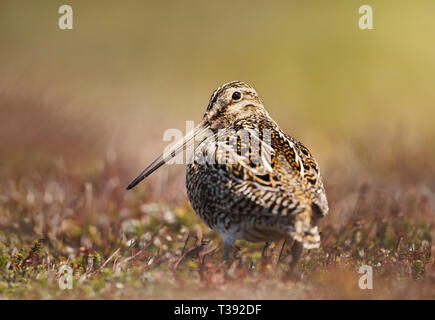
{"x": 232, "y": 102}
{"x": 229, "y": 103}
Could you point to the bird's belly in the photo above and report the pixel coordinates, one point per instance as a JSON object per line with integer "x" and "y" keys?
{"x": 212, "y": 197}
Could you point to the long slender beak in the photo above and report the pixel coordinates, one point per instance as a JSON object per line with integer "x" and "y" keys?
{"x": 172, "y": 152}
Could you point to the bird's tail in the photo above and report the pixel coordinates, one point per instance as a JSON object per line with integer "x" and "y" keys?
{"x": 305, "y": 229}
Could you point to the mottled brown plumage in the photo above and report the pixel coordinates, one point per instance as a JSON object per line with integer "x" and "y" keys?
{"x": 247, "y": 179}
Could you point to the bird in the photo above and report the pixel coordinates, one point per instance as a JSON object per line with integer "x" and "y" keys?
{"x": 246, "y": 178}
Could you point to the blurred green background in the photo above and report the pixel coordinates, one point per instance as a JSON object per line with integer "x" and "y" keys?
{"x": 131, "y": 69}
{"x": 83, "y": 111}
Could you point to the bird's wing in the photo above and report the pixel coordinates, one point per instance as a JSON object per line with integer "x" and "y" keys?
{"x": 274, "y": 171}
{"x": 270, "y": 177}
{"x": 309, "y": 171}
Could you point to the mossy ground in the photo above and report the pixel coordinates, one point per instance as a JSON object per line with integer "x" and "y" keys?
{"x": 124, "y": 245}
{"x": 82, "y": 111}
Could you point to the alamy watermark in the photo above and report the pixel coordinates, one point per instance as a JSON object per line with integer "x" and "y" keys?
{"x": 66, "y": 278}
{"x": 366, "y": 280}
{"x": 248, "y": 147}
{"x": 366, "y": 20}
{"x": 65, "y": 21}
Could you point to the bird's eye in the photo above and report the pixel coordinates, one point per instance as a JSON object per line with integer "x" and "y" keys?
{"x": 236, "y": 95}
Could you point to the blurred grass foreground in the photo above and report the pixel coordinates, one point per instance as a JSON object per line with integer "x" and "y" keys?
{"x": 83, "y": 110}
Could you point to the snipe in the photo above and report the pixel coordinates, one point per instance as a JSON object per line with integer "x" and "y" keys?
{"x": 247, "y": 179}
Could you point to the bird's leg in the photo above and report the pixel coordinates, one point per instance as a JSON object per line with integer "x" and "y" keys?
{"x": 228, "y": 245}
{"x": 263, "y": 253}
{"x": 296, "y": 254}
{"x": 282, "y": 250}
